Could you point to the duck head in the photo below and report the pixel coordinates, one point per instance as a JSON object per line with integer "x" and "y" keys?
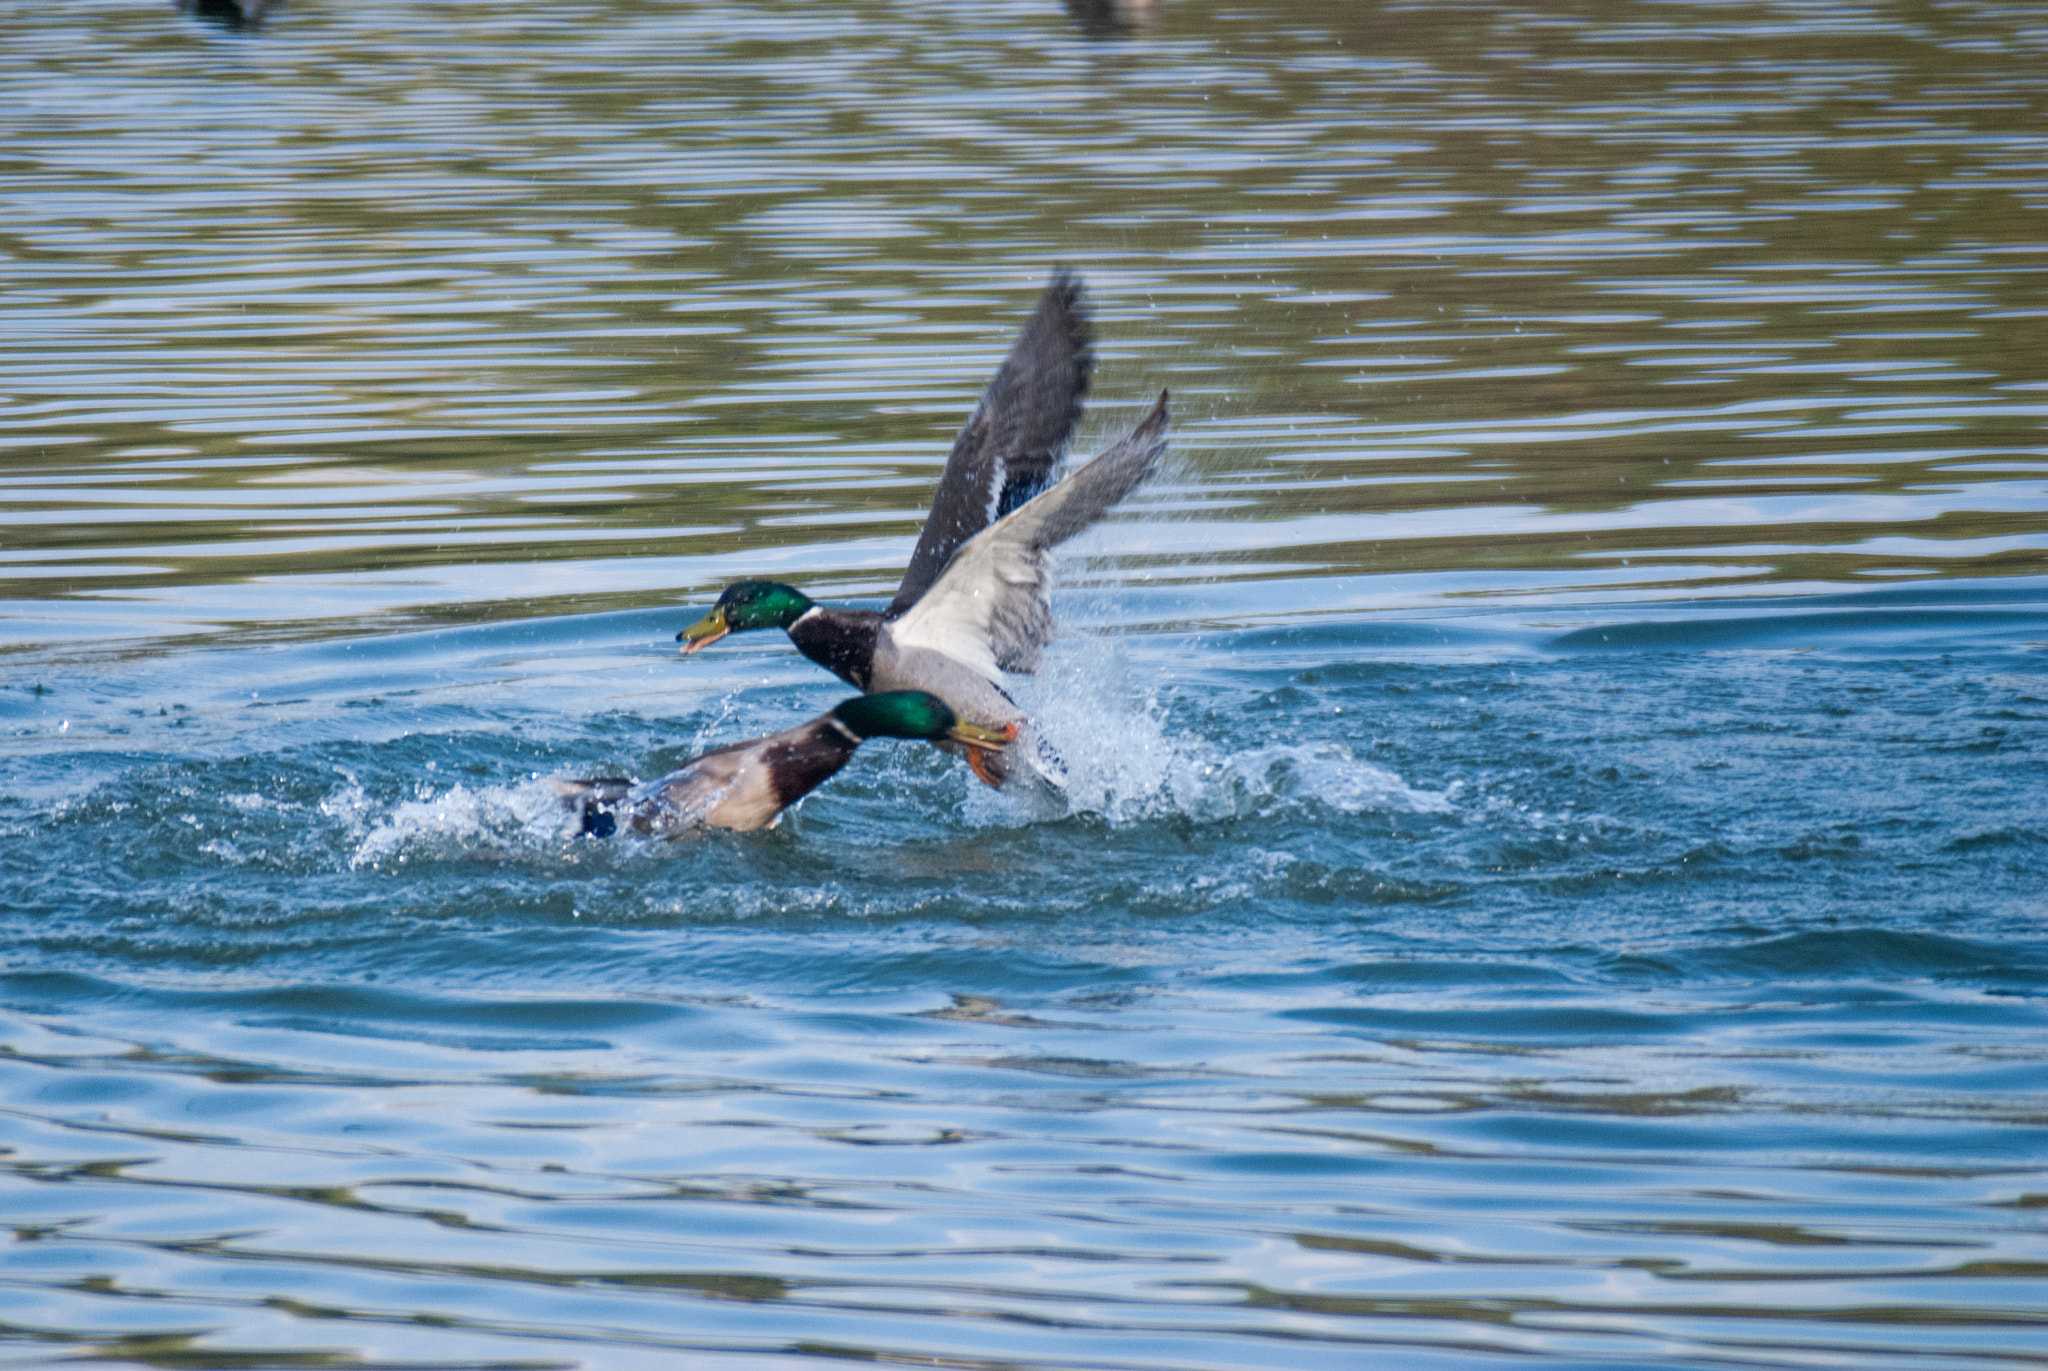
{"x": 745, "y": 605}
{"x": 915, "y": 714}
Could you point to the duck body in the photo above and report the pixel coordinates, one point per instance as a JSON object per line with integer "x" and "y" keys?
{"x": 748, "y": 785}
{"x": 857, "y": 646}
{"x": 740, "y": 786}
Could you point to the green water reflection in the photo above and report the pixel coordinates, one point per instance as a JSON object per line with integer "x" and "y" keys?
{"x": 599, "y": 308}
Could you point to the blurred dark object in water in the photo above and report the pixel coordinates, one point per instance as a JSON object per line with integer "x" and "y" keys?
{"x": 235, "y": 15}
{"x": 1114, "y": 18}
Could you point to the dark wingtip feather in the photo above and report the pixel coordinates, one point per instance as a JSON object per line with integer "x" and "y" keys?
{"x": 1076, "y": 322}
{"x": 1005, "y": 455}
{"x": 1155, "y": 422}
{"x": 1104, "y": 479}
{"x": 1053, "y": 361}
{"x": 1064, "y": 306}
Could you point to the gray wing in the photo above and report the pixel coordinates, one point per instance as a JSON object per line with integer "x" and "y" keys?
{"x": 1005, "y": 454}
{"x": 989, "y": 609}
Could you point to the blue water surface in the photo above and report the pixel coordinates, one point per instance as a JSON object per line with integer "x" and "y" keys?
{"x": 1656, "y": 993}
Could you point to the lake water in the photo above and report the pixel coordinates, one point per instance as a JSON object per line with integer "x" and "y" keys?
{"x": 1559, "y": 853}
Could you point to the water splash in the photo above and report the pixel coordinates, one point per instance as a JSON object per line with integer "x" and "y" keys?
{"x": 1128, "y": 762}
{"x": 462, "y": 820}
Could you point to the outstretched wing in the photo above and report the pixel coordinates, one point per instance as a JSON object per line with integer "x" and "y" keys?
{"x": 1006, "y": 452}
{"x": 989, "y": 609}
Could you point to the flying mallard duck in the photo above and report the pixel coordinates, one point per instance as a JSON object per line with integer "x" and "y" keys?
{"x": 973, "y": 603}
{"x": 748, "y": 785}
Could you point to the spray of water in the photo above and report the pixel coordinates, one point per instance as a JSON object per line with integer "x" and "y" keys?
{"x": 1127, "y": 763}
{"x": 524, "y": 815}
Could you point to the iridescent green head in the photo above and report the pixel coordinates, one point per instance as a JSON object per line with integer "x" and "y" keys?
{"x": 914, "y": 714}
{"x": 745, "y": 605}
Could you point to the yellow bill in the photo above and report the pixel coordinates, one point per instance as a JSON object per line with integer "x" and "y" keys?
{"x": 974, "y": 735}
{"x": 704, "y": 632}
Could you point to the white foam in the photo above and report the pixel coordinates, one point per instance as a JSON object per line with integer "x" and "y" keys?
{"x": 1126, "y": 764}
{"x": 460, "y": 819}
{"x": 348, "y": 805}
{"x": 1328, "y": 773}
{"x": 227, "y": 851}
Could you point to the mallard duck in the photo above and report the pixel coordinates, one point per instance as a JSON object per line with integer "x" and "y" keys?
{"x": 748, "y": 785}
{"x": 973, "y": 602}
{"x": 229, "y": 14}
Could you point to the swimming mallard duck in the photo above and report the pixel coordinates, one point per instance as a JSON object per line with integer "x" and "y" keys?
{"x": 748, "y": 785}
{"x": 973, "y": 602}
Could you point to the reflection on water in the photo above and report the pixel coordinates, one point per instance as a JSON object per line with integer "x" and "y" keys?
{"x": 516, "y": 1195}
{"x": 232, "y": 15}
{"x": 1556, "y": 868}
{"x": 1663, "y": 305}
